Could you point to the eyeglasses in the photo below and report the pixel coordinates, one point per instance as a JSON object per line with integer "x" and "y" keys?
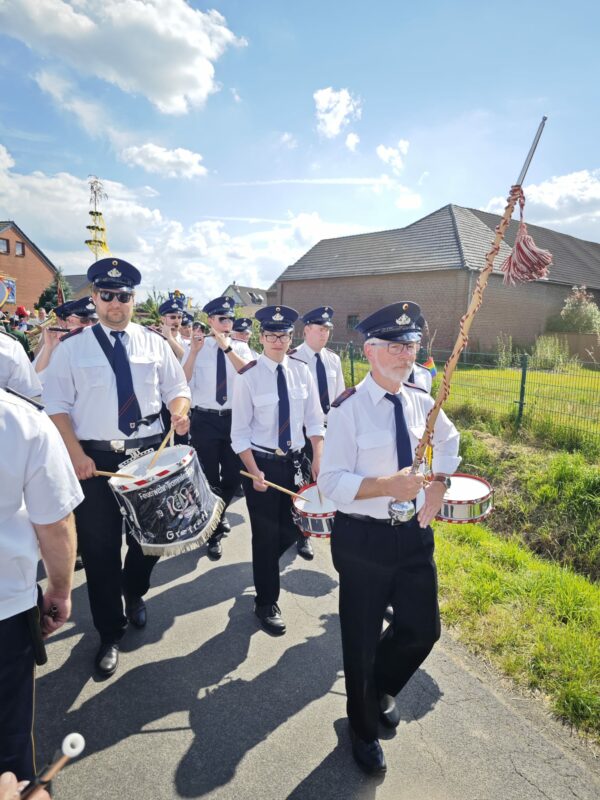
{"x": 395, "y": 348}
{"x": 277, "y": 337}
{"x": 122, "y": 297}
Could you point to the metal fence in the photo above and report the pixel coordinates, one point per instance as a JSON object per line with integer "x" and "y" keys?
{"x": 559, "y": 404}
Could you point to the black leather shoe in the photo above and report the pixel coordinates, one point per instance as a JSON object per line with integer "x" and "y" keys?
{"x": 389, "y": 716}
{"x": 388, "y": 614}
{"x": 215, "y": 549}
{"x": 135, "y": 611}
{"x": 270, "y": 619}
{"x": 107, "y": 659}
{"x": 368, "y": 755}
{"x": 224, "y": 525}
{"x": 304, "y": 547}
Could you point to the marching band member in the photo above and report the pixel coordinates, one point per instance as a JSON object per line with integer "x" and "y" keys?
{"x": 75, "y": 314}
{"x": 171, "y": 315}
{"x": 103, "y": 390}
{"x": 39, "y": 492}
{"x": 242, "y": 332}
{"x": 16, "y": 370}
{"x": 326, "y": 370}
{"x": 372, "y": 433}
{"x": 211, "y": 368}
{"x": 274, "y": 398}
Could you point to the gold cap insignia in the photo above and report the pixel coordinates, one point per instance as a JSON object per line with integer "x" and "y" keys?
{"x": 277, "y": 317}
{"x": 403, "y": 320}
{"x": 114, "y": 273}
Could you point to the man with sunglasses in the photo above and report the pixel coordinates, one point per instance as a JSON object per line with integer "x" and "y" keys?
{"x": 275, "y": 398}
{"x": 211, "y": 367}
{"x": 242, "y": 332}
{"x": 171, "y": 316}
{"x": 373, "y": 430}
{"x": 326, "y": 370}
{"x": 103, "y": 390}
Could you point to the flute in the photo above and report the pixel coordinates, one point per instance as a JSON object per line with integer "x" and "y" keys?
{"x": 72, "y": 746}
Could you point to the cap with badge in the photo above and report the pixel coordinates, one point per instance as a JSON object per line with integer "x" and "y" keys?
{"x": 171, "y": 306}
{"x": 276, "y": 318}
{"x": 242, "y": 325}
{"x": 113, "y": 273}
{"x": 220, "y": 307}
{"x": 319, "y": 316}
{"x": 83, "y": 308}
{"x": 187, "y": 319}
{"x": 398, "y": 322}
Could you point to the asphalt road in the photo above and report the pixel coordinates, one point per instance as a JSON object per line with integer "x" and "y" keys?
{"x": 205, "y": 704}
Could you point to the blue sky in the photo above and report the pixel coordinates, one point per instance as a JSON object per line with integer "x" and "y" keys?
{"x": 231, "y": 137}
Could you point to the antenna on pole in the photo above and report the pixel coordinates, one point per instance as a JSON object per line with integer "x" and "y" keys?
{"x": 97, "y": 227}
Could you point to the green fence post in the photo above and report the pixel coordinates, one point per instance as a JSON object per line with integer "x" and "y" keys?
{"x": 351, "y": 354}
{"x": 524, "y": 362}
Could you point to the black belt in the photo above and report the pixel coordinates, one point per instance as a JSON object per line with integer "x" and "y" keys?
{"x": 371, "y": 520}
{"x": 124, "y": 446}
{"x": 289, "y": 456}
{"x": 222, "y": 412}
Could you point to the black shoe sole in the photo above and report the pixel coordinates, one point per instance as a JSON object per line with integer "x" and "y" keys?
{"x": 215, "y": 556}
{"x": 369, "y": 770}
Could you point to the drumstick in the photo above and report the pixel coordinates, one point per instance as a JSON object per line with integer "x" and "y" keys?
{"x": 104, "y": 474}
{"x": 72, "y": 746}
{"x": 274, "y": 486}
{"x": 185, "y": 406}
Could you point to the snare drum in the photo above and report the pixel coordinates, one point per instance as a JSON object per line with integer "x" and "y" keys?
{"x": 313, "y": 517}
{"x": 170, "y": 508}
{"x": 469, "y": 499}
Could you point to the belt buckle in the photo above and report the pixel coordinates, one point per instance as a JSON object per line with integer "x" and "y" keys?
{"x": 117, "y": 445}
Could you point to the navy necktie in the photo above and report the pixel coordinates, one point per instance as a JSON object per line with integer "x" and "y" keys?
{"x": 322, "y": 383}
{"x": 129, "y": 408}
{"x": 283, "y": 437}
{"x": 221, "y": 394}
{"x": 403, "y": 447}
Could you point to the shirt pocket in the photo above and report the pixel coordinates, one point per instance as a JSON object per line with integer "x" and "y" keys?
{"x": 265, "y": 407}
{"x": 92, "y": 372}
{"x": 376, "y": 445}
{"x": 143, "y": 370}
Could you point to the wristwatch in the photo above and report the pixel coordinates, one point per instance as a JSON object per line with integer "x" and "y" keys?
{"x": 443, "y": 479}
{"x": 228, "y": 349}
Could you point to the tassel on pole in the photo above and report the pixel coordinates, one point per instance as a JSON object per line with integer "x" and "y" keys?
{"x": 527, "y": 262}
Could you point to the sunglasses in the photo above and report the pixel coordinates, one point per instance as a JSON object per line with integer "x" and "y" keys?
{"x": 122, "y": 297}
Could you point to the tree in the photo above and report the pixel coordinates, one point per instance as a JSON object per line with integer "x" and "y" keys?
{"x": 48, "y": 298}
{"x": 580, "y": 314}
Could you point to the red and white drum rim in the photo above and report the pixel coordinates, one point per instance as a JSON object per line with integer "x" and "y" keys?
{"x": 182, "y": 462}
{"x": 310, "y": 513}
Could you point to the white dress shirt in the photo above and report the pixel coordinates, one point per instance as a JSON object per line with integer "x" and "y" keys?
{"x": 80, "y": 382}
{"x": 361, "y": 443}
{"x": 333, "y": 368}
{"x": 38, "y": 485}
{"x": 204, "y": 376}
{"x": 255, "y": 418}
{"x": 16, "y": 370}
{"x": 422, "y": 378}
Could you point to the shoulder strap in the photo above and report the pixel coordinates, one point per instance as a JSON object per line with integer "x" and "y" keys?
{"x": 246, "y": 367}
{"x": 39, "y": 406}
{"x": 414, "y": 386}
{"x": 68, "y": 335}
{"x": 344, "y": 396}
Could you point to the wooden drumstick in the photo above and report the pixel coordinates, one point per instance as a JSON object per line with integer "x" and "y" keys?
{"x": 104, "y": 474}
{"x": 274, "y": 486}
{"x": 72, "y": 746}
{"x": 185, "y": 407}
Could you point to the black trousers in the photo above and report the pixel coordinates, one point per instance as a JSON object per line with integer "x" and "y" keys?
{"x": 99, "y": 533}
{"x": 380, "y": 565}
{"x": 211, "y": 437}
{"x": 273, "y": 529}
{"x": 17, "y": 674}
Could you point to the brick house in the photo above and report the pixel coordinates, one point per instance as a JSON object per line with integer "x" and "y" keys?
{"x": 22, "y": 261}
{"x": 435, "y": 262}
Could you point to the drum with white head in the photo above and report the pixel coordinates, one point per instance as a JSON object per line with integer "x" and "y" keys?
{"x": 313, "y": 514}
{"x": 469, "y": 499}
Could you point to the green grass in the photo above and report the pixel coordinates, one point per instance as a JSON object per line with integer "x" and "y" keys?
{"x": 562, "y": 409}
{"x": 537, "y": 622}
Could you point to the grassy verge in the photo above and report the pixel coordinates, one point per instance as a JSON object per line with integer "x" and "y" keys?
{"x": 537, "y": 622}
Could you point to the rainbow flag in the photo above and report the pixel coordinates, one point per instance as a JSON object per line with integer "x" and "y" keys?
{"x": 430, "y": 366}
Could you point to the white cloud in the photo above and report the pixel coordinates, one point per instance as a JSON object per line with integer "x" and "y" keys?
{"x": 200, "y": 259}
{"x": 178, "y": 163}
{"x": 394, "y": 156}
{"x": 288, "y": 140}
{"x": 352, "y": 141}
{"x": 570, "y": 203}
{"x": 236, "y": 95}
{"x": 335, "y": 110}
{"x": 164, "y": 50}
{"x": 383, "y": 181}
{"x": 407, "y": 199}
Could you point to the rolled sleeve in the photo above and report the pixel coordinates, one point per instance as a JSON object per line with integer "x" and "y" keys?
{"x": 58, "y": 393}
{"x": 446, "y": 440}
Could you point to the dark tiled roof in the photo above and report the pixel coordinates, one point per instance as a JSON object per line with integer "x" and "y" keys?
{"x": 76, "y": 282}
{"x": 249, "y": 295}
{"x": 453, "y": 237}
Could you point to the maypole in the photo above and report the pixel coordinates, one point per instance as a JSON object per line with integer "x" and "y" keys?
{"x": 97, "y": 228}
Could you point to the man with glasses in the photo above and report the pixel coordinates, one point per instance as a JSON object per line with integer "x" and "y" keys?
{"x": 103, "y": 390}
{"x": 275, "y": 397}
{"x": 326, "y": 370}
{"x": 211, "y": 367}
{"x": 373, "y": 430}
{"x": 171, "y": 316}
